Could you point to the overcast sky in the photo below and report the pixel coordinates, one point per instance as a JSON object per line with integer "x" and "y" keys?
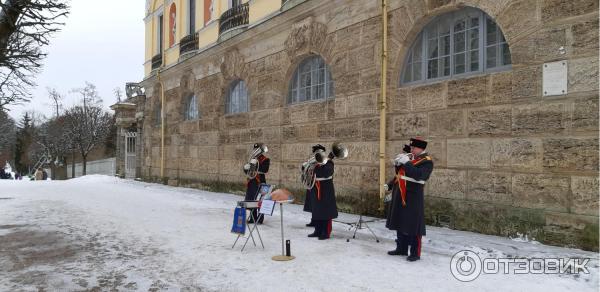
{"x": 102, "y": 42}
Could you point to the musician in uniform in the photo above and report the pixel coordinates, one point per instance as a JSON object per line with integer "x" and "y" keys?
{"x": 252, "y": 184}
{"x": 307, "y": 205}
{"x": 309, "y": 194}
{"x": 406, "y": 213}
{"x": 322, "y": 197}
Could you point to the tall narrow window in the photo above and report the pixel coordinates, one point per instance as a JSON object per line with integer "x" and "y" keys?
{"x": 208, "y": 9}
{"x": 456, "y": 44}
{"x": 192, "y": 27}
{"x": 311, "y": 81}
{"x": 191, "y": 108}
{"x": 172, "y": 24}
{"x": 160, "y": 35}
{"x": 236, "y": 100}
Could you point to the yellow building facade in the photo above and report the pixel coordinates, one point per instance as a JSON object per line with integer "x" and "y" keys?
{"x": 176, "y": 27}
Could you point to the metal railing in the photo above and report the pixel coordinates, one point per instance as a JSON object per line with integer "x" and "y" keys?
{"x": 188, "y": 43}
{"x": 234, "y": 17}
{"x": 156, "y": 61}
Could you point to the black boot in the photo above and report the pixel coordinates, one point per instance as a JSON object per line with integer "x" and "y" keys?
{"x": 311, "y": 223}
{"x": 316, "y": 232}
{"x": 399, "y": 249}
{"x": 415, "y": 249}
{"x": 412, "y": 258}
{"x": 395, "y": 252}
{"x": 323, "y": 234}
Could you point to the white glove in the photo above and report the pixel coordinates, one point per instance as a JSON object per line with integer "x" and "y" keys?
{"x": 386, "y": 187}
{"x": 253, "y": 161}
{"x": 246, "y": 166}
{"x": 387, "y": 198}
{"x": 402, "y": 159}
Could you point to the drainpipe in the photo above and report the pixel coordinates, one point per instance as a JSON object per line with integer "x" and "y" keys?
{"x": 162, "y": 124}
{"x": 382, "y": 104}
{"x": 162, "y": 99}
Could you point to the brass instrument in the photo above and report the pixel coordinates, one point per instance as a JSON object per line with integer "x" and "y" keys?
{"x": 307, "y": 175}
{"x": 251, "y": 168}
{"x": 397, "y": 159}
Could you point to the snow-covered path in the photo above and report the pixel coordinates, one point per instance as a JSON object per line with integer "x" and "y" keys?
{"x": 99, "y": 233}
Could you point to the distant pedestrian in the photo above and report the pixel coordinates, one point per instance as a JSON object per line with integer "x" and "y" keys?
{"x": 44, "y": 174}
{"x": 39, "y": 175}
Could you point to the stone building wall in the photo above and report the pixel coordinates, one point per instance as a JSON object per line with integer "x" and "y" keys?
{"x": 507, "y": 160}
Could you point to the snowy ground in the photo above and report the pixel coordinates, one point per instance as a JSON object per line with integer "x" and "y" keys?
{"x": 98, "y": 233}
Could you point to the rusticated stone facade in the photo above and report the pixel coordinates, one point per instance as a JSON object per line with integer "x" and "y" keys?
{"x": 507, "y": 160}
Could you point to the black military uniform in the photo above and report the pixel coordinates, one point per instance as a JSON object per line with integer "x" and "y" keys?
{"x": 307, "y": 206}
{"x": 253, "y": 184}
{"x": 308, "y": 198}
{"x": 407, "y": 213}
{"x": 323, "y": 204}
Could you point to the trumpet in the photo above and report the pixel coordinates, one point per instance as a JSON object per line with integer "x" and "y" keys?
{"x": 399, "y": 157}
{"x": 405, "y": 152}
{"x": 251, "y": 168}
{"x": 307, "y": 171}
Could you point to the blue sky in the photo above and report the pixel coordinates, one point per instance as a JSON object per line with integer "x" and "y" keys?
{"x": 102, "y": 42}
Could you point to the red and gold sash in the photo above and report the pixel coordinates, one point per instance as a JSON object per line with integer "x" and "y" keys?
{"x": 318, "y": 185}
{"x": 402, "y": 182}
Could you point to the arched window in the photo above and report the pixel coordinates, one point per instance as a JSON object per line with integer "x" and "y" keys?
{"x": 311, "y": 81}
{"x": 191, "y": 108}
{"x": 236, "y": 100}
{"x": 456, "y": 44}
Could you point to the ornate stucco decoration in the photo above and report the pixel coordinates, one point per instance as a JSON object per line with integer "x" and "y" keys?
{"x": 306, "y": 37}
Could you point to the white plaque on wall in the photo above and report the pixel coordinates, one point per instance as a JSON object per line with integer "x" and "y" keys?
{"x": 554, "y": 78}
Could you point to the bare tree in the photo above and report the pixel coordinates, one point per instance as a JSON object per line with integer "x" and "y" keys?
{"x": 118, "y": 93}
{"x": 56, "y": 98}
{"x": 25, "y": 27}
{"x": 89, "y": 95}
{"x": 53, "y": 137}
{"x": 87, "y": 127}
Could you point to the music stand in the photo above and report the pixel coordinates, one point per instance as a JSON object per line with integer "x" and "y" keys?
{"x": 361, "y": 223}
{"x": 264, "y": 190}
{"x": 283, "y": 256}
{"x": 250, "y": 206}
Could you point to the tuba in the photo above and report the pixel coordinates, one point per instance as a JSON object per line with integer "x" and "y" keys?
{"x": 307, "y": 175}
{"x": 251, "y": 168}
